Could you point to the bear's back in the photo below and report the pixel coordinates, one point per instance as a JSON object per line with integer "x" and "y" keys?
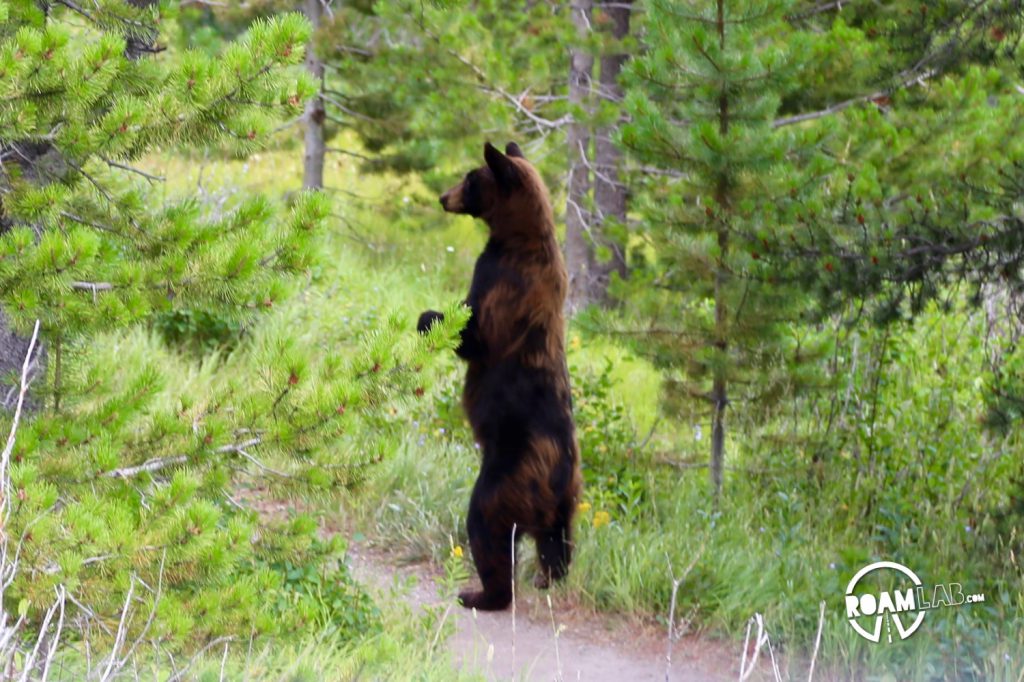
{"x": 519, "y": 294}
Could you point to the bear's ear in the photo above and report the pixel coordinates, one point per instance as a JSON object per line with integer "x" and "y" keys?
{"x": 512, "y": 149}
{"x": 505, "y": 172}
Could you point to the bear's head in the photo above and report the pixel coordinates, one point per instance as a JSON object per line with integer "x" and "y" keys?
{"x": 507, "y": 192}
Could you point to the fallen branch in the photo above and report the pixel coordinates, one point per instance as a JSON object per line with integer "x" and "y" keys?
{"x": 158, "y": 463}
{"x": 30, "y": 662}
{"x": 122, "y": 632}
{"x": 154, "y": 464}
{"x": 92, "y": 286}
{"x": 180, "y": 674}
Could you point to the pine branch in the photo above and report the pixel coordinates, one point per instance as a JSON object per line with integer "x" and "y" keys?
{"x": 486, "y": 86}
{"x": 840, "y": 106}
{"x": 831, "y": 5}
{"x": 75, "y": 8}
{"x": 130, "y": 169}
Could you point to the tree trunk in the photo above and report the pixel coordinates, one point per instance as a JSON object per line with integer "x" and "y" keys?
{"x": 141, "y": 42}
{"x": 720, "y": 392}
{"x": 609, "y": 190}
{"x": 720, "y": 388}
{"x": 13, "y": 348}
{"x": 720, "y": 398}
{"x": 313, "y": 162}
{"x": 578, "y": 249}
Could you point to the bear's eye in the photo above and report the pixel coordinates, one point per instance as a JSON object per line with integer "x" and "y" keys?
{"x": 471, "y": 199}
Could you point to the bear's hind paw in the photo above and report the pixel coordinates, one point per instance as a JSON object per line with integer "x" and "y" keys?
{"x": 483, "y": 601}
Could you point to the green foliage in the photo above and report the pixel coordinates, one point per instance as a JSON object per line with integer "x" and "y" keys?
{"x": 1005, "y": 391}
{"x": 433, "y": 88}
{"x": 424, "y": 83}
{"x": 198, "y": 330}
{"x": 127, "y": 480}
{"x": 613, "y": 478}
{"x": 767, "y": 229}
{"x": 80, "y": 249}
{"x": 145, "y": 466}
{"x": 929, "y": 139}
{"x": 318, "y": 593}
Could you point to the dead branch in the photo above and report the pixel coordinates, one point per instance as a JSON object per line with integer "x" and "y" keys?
{"x": 840, "y": 106}
{"x": 5, "y": 457}
{"x": 676, "y": 582}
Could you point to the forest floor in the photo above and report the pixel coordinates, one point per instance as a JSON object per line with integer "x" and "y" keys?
{"x": 542, "y": 639}
{"x": 524, "y": 645}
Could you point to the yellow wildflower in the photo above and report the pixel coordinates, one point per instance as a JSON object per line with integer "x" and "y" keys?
{"x": 575, "y": 343}
{"x": 457, "y": 551}
{"x": 602, "y": 518}
{"x": 583, "y": 507}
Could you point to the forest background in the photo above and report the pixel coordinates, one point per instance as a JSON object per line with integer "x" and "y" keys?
{"x": 794, "y": 232}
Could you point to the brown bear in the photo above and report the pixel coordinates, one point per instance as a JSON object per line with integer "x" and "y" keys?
{"x": 516, "y": 394}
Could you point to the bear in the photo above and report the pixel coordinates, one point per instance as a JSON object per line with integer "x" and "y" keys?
{"x": 516, "y": 395}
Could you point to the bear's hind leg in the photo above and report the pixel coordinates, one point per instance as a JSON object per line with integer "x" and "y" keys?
{"x": 554, "y": 552}
{"x": 492, "y": 553}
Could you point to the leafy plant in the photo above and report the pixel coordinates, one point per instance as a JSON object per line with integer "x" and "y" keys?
{"x": 199, "y": 331}
{"x": 318, "y": 592}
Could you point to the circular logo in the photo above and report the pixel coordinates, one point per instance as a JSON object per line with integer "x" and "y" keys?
{"x": 894, "y": 607}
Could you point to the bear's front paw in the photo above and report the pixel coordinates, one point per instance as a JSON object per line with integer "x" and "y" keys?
{"x": 485, "y": 601}
{"x": 427, "y": 321}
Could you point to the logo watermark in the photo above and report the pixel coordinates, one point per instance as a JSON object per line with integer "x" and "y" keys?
{"x": 902, "y": 608}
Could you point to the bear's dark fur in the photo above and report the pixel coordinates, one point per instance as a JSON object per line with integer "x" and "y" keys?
{"x": 517, "y": 394}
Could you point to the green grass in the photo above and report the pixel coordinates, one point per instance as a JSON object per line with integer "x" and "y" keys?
{"x": 403, "y": 650}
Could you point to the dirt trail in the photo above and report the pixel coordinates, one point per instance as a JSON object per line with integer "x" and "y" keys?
{"x": 592, "y": 649}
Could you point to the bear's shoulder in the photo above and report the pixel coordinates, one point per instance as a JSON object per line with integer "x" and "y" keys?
{"x": 495, "y": 265}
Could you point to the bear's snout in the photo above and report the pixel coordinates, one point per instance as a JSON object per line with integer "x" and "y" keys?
{"x": 452, "y": 200}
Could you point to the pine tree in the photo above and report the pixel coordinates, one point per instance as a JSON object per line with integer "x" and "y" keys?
{"x": 916, "y": 109}
{"x": 927, "y": 126}
{"x": 702, "y": 100}
{"x": 119, "y": 491}
{"x": 80, "y": 251}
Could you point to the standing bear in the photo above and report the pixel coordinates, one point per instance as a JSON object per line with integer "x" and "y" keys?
{"x": 516, "y": 394}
